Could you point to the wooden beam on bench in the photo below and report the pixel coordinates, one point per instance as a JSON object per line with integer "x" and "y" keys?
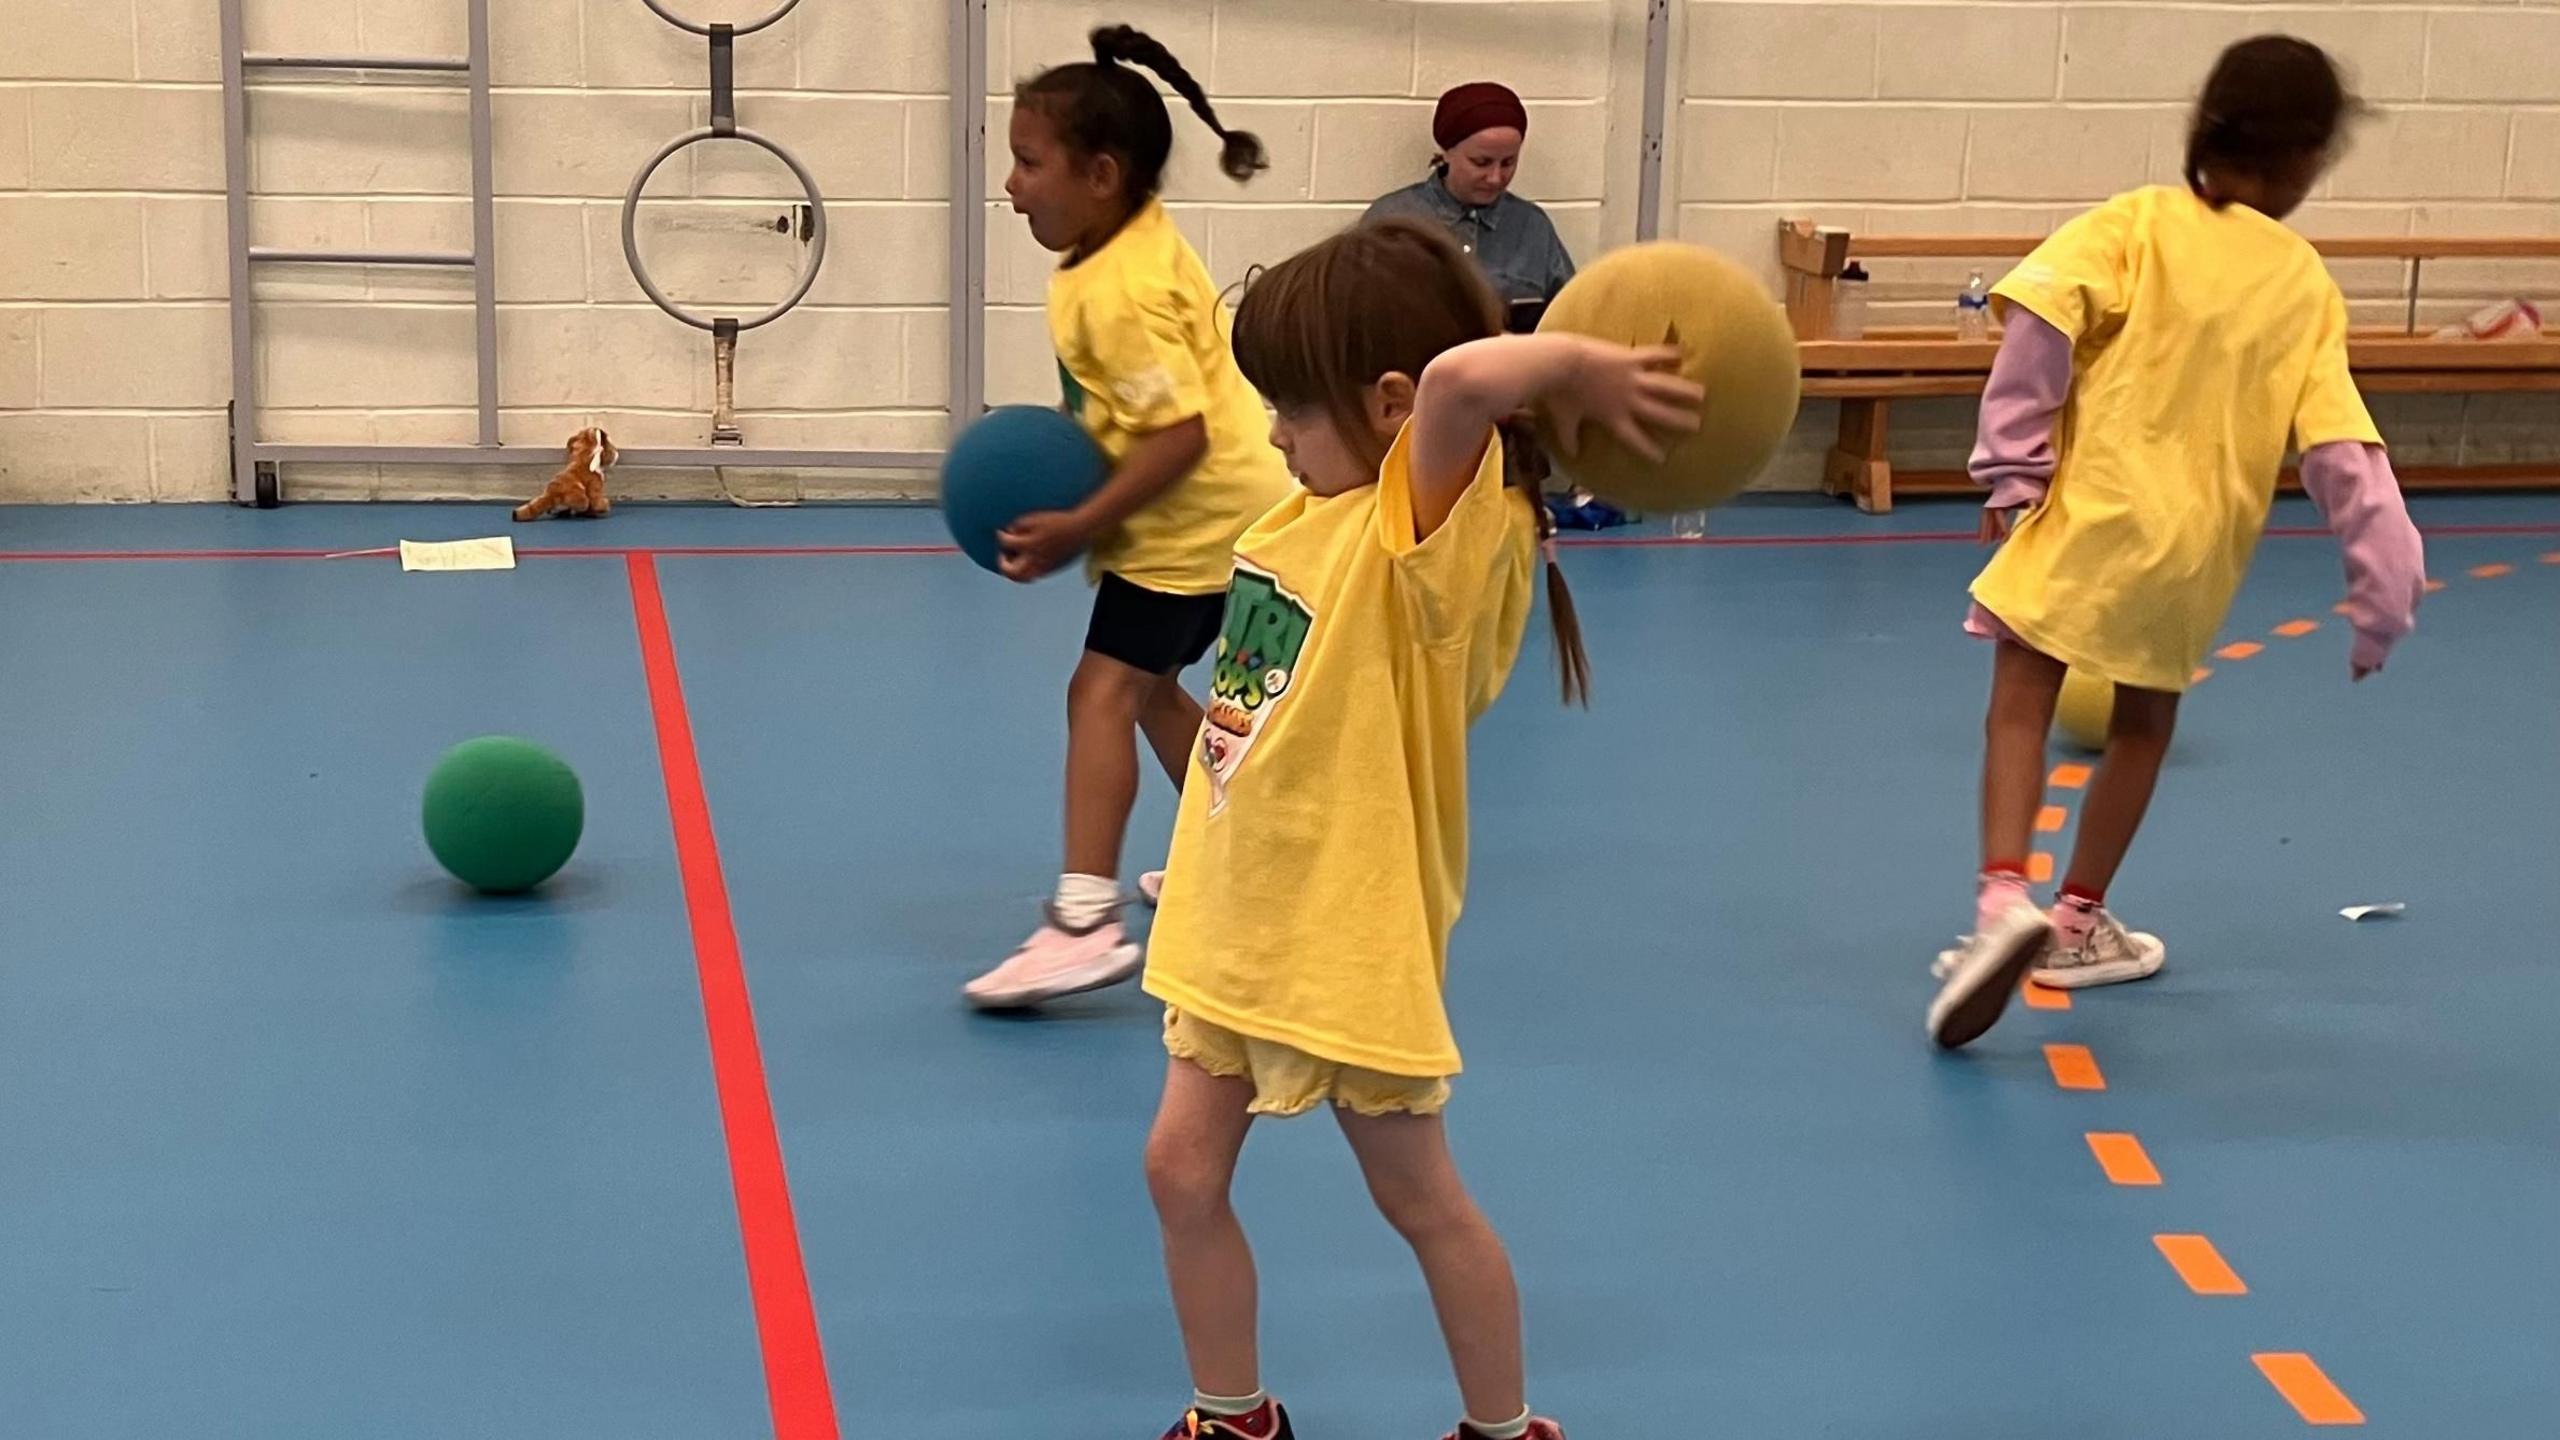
{"x": 1856, "y": 466}
{"x": 1890, "y": 363}
{"x": 2416, "y": 477}
{"x": 2337, "y": 247}
{"x": 2458, "y": 382}
{"x": 1891, "y": 387}
{"x": 2402, "y": 352}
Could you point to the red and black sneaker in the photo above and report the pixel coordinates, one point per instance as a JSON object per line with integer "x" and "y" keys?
{"x": 1539, "y": 1429}
{"x": 1265, "y": 1422}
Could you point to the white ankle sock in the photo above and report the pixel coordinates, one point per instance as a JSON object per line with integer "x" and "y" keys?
{"x": 1208, "y": 1404}
{"x": 1085, "y": 901}
{"x": 1511, "y": 1429}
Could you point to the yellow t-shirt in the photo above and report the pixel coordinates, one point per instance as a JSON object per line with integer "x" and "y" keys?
{"x": 1321, "y": 851}
{"x": 1142, "y": 345}
{"x": 2202, "y": 340}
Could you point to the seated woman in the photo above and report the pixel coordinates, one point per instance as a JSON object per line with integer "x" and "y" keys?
{"x": 1479, "y": 128}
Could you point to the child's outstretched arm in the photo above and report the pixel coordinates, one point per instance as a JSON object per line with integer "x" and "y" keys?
{"x": 1635, "y": 395}
{"x": 2349, "y": 476}
{"x": 2013, "y": 450}
{"x": 2386, "y": 561}
{"x": 1044, "y": 540}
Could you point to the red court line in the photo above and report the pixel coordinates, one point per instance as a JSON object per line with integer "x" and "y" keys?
{"x": 795, "y": 1364}
{"x": 1578, "y": 542}
{"x": 68, "y": 557}
{"x": 1749, "y": 542}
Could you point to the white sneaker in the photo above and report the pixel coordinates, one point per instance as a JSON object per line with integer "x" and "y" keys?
{"x": 1057, "y": 962}
{"x": 1151, "y": 888}
{"x": 1985, "y": 973}
{"x": 2112, "y": 955}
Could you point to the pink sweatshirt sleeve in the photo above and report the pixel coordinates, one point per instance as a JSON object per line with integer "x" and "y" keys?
{"x": 2386, "y": 562}
{"x": 2013, "y": 450}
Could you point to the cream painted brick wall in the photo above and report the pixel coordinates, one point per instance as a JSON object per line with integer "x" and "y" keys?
{"x": 2009, "y": 116}
{"x": 158, "y": 357}
{"x": 20, "y": 369}
{"x": 49, "y": 456}
{"x": 1984, "y": 115}
{"x": 17, "y": 162}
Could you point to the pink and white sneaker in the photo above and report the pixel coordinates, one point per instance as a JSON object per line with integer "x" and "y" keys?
{"x": 1057, "y": 962}
{"x": 1151, "y": 888}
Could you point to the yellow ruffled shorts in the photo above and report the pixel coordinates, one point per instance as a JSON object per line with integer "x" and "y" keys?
{"x": 1289, "y": 1081}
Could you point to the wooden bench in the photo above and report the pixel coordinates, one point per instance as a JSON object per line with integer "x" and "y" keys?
{"x": 1901, "y": 363}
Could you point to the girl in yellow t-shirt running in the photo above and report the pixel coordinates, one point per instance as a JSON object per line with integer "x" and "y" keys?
{"x": 1320, "y": 856}
{"x": 1143, "y": 354}
{"x": 2159, "y": 354}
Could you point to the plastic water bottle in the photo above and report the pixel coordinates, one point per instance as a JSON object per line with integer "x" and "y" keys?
{"x": 1689, "y": 525}
{"x": 1973, "y": 309}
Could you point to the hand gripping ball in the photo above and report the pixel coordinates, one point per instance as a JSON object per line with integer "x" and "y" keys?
{"x": 1733, "y": 340}
{"x": 1010, "y": 462}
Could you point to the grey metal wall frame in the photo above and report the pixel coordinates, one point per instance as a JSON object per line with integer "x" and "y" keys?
{"x": 255, "y": 463}
{"x": 1657, "y": 118}
{"x": 968, "y": 206}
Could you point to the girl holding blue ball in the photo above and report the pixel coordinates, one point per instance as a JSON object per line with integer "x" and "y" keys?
{"x": 1143, "y": 356}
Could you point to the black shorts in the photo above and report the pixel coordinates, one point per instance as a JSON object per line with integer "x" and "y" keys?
{"x": 1150, "y": 630}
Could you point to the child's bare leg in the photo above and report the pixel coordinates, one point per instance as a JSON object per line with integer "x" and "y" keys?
{"x": 2024, "y": 686}
{"x": 1171, "y": 721}
{"x": 1104, "y": 701}
{"x": 2008, "y": 933}
{"x": 1411, "y": 1175}
{"x": 1191, "y": 1164}
{"x": 2137, "y": 741}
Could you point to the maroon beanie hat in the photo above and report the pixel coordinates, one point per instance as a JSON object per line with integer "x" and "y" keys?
{"x": 1476, "y": 106}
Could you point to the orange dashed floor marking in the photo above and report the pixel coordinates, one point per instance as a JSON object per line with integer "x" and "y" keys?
{"x": 2308, "y": 1390}
{"x": 2200, "y": 1265}
{"x": 2074, "y": 1068}
{"x": 2123, "y": 1158}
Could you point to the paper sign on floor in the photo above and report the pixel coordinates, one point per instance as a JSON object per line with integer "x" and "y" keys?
{"x": 496, "y": 553}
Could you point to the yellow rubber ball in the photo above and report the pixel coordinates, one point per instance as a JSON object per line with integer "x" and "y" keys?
{"x": 2087, "y": 706}
{"x": 1733, "y": 340}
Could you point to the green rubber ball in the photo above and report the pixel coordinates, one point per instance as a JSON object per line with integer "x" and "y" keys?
{"x": 503, "y": 814}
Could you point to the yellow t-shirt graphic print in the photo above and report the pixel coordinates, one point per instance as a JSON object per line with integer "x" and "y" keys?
{"x": 1320, "y": 857}
{"x": 1266, "y": 628}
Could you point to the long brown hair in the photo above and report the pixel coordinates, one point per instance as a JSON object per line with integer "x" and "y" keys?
{"x": 1321, "y": 327}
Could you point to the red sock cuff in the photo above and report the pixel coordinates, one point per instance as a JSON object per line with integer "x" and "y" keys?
{"x": 2086, "y": 896}
{"x": 2005, "y": 870}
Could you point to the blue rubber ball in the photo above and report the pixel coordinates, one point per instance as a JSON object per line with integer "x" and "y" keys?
{"x": 1016, "y": 460}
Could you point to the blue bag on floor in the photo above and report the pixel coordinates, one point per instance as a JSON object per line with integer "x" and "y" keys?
{"x": 1582, "y": 510}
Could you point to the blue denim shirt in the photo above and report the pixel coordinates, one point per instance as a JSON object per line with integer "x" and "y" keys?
{"x": 1512, "y": 238}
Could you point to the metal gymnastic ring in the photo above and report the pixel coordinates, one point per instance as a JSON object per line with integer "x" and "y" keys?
{"x": 808, "y": 187}
{"x": 751, "y": 27}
